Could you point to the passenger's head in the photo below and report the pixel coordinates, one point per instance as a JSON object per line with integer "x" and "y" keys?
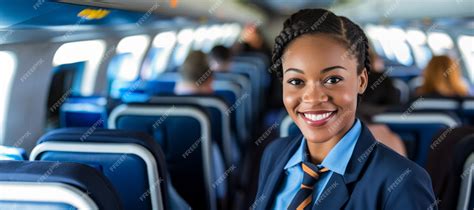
{"x": 442, "y": 76}
{"x": 322, "y": 60}
{"x": 195, "y": 69}
{"x": 252, "y": 35}
{"x": 220, "y": 58}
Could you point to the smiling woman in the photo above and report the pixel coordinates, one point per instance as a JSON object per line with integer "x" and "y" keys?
{"x": 322, "y": 60}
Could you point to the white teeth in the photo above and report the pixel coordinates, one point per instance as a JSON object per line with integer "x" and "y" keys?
{"x": 316, "y": 117}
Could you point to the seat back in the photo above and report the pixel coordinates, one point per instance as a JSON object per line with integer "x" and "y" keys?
{"x": 468, "y": 111}
{"x": 83, "y": 112}
{"x": 251, "y": 72}
{"x": 466, "y": 196}
{"x": 184, "y": 133}
{"x": 288, "y": 127}
{"x": 436, "y": 104}
{"x": 236, "y": 98}
{"x": 446, "y": 159}
{"x": 54, "y": 185}
{"x": 132, "y": 161}
{"x": 246, "y": 87}
{"x": 417, "y": 130}
{"x": 403, "y": 89}
{"x": 219, "y": 118}
{"x": 12, "y": 153}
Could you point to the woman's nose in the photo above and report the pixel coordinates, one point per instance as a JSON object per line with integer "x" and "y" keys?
{"x": 314, "y": 93}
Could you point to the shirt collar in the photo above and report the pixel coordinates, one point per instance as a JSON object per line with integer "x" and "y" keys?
{"x": 339, "y": 156}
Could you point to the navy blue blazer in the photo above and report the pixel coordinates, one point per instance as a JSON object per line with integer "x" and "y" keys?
{"x": 376, "y": 178}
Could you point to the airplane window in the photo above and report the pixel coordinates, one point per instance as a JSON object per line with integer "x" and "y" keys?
{"x": 136, "y": 46}
{"x": 201, "y": 37}
{"x": 8, "y": 61}
{"x": 89, "y": 51}
{"x": 223, "y": 35}
{"x": 185, "y": 40}
{"x": 373, "y": 35}
{"x": 232, "y": 34}
{"x": 228, "y": 30}
{"x": 214, "y": 34}
{"x": 466, "y": 45}
{"x": 399, "y": 46}
{"x": 440, "y": 43}
{"x": 384, "y": 37}
{"x": 417, "y": 41}
{"x": 163, "y": 44}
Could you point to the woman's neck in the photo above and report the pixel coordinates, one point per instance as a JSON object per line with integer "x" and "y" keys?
{"x": 319, "y": 150}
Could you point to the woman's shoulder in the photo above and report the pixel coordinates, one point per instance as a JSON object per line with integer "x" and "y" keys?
{"x": 397, "y": 180}
{"x": 387, "y": 161}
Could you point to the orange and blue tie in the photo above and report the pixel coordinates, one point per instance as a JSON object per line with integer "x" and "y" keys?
{"x": 304, "y": 196}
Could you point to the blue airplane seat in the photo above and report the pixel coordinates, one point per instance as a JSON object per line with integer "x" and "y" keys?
{"x": 251, "y": 72}
{"x": 132, "y": 161}
{"x": 288, "y": 127}
{"x": 185, "y": 134}
{"x": 83, "y": 111}
{"x": 12, "y": 153}
{"x": 219, "y": 118}
{"x": 39, "y": 185}
{"x": 467, "y": 113}
{"x": 261, "y": 61}
{"x": 157, "y": 87}
{"x": 231, "y": 92}
{"x": 418, "y": 127}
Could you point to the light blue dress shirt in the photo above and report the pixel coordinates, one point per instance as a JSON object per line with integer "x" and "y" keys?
{"x": 336, "y": 161}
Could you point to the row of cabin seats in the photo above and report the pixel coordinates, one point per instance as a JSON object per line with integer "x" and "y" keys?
{"x": 206, "y": 147}
{"x": 243, "y": 88}
{"x": 74, "y": 168}
{"x": 201, "y": 136}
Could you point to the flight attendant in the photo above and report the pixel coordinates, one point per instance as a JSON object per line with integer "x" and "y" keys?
{"x": 322, "y": 60}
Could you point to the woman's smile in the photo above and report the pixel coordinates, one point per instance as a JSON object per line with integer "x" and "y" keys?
{"x": 317, "y": 118}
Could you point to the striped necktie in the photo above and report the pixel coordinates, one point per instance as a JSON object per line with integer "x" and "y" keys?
{"x": 304, "y": 196}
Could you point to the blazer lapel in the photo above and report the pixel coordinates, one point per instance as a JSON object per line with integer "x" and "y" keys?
{"x": 276, "y": 176}
{"x": 336, "y": 193}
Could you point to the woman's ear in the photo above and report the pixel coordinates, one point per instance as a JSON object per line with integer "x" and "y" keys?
{"x": 363, "y": 79}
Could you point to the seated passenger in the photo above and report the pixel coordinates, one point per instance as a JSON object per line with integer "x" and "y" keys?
{"x": 443, "y": 78}
{"x": 196, "y": 77}
{"x": 252, "y": 40}
{"x": 220, "y": 58}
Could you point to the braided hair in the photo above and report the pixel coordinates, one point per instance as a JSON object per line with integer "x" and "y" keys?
{"x": 321, "y": 21}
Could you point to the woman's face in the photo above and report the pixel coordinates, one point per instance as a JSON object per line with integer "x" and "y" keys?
{"x": 320, "y": 86}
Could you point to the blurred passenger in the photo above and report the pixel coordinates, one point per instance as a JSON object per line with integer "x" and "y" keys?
{"x": 252, "y": 40}
{"x": 384, "y": 135}
{"x": 381, "y": 91}
{"x": 196, "y": 76}
{"x": 220, "y": 58}
{"x": 442, "y": 77}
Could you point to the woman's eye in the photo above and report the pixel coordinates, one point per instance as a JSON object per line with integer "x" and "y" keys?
{"x": 333, "y": 80}
{"x": 295, "y": 82}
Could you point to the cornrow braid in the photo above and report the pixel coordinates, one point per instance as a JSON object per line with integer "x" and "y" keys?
{"x": 315, "y": 21}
